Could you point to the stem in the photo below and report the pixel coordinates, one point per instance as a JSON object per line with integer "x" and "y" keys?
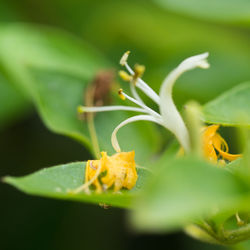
{"x": 194, "y": 125}
{"x": 226, "y": 237}
{"x": 91, "y": 124}
{"x": 237, "y": 235}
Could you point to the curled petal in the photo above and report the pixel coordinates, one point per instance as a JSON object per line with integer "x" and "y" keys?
{"x": 171, "y": 116}
{"x": 114, "y": 140}
{"x": 213, "y": 143}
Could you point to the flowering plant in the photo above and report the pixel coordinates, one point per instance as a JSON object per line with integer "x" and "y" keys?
{"x": 193, "y": 183}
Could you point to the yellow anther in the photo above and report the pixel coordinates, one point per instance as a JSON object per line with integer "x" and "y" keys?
{"x": 124, "y": 58}
{"x": 121, "y": 95}
{"x": 80, "y": 109}
{"x": 125, "y": 76}
{"x": 139, "y": 70}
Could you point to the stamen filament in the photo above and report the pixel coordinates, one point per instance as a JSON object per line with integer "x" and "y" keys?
{"x": 83, "y": 109}
{"x": 150, "y": 111}
{"x": 128, "y": 78}
{"x": 143, "y": 86}
{"x": 135, "y": 94}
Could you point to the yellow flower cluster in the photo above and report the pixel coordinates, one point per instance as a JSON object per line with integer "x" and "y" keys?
{"x": 117, "y": 171}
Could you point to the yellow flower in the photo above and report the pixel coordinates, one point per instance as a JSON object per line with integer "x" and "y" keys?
{"x": 117, "y": 171}
{"x": 215, "y": 147}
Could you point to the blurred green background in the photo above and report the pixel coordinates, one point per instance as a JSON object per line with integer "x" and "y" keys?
{"x": 160, "y": 34}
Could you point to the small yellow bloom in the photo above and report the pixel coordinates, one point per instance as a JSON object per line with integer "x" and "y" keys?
{"x": 215, "y": 147}
{"x": 117, "y": 171}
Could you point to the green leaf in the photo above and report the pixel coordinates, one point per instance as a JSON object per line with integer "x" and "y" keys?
{"x": 231, "y": 108}
{"x": 24, "y": 46}
{"x": 183, "y": 191}
{"x": 54, "y": 68}
{"x": 223, "y": 10}
{"x": 44, "y": 47}
{"x": 236, "y": 167}
{"x": 56, "y": 182}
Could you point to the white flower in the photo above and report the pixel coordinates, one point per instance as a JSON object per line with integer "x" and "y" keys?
{"x": 168, "y": 115}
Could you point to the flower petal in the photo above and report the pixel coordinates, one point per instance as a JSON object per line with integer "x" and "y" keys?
{"x": 114, "y": 140}
{"x": 171, "y": 116}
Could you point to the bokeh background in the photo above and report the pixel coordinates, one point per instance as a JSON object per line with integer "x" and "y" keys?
{"x": 160, "y": 34}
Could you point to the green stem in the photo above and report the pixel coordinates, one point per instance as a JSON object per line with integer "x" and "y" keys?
{"x": 227, "y": 237}
{"x": 93, "y": 136}
{"x": 91, "y": 124}
{"x": 237, "y": 235}
{"x": 194, "y": 125}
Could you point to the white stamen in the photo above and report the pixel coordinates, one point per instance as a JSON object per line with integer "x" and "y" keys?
{"x": 124, "y": 58}
{"x": 114, "y": 140}
{"x": 128, "y": 68}
{"x": 83, "y": 109}
{"x": 150, "y": 111}
{"x": 135, "y": 94}
{"x": 143, "y": 86}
